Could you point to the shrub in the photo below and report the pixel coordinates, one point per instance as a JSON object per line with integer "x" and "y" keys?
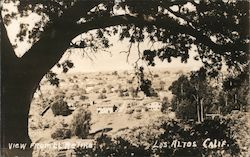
{"x": 61, "y": 133}
{"x": 138, "y": 141}
{"x": 33, "y": 126}
{"x": 133, "y": 92}
{"x": 138, "y": 116}
{"x": 100, "y": 83}
{"x": 162, "y": 85}
{"x": 120, "y": 93}
{"x": 80, "y": 125}
{"x": 167, "y": 72}
{"x": 75, "y": 87}
{"x": 46, "y": 126}
{"x": 71, "y": 80}
{"x": 186, "y": 110}
{"x": 134, "y": 103}
{"x": 130, "y": 111}
{"x": 165, "y": 104}
{"x": 143, "y": 136}
{"x": 110, "y": 86}
{"x": 129, "y": 81}
{"x": 238, "y": 122}
{"x": 106, "y": 146}
{"x": 115, "y": 73}
{"x": 126, "y": 94}
{"x": 83, "y": 97}
{"x": 83, "y": 91}
{"x": 156, "y": 75}
{"x": 102, "y": 96}
{"x": 60, "y": 107}
{"x": 123, "y": 93}
{"x": 104, "y": 90}
{"x": 138, "y": 110}
{"x": 198, "y": 133}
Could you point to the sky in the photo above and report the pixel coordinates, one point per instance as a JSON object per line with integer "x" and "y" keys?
{"x": 101, "y": 61}
{"x": 115, "y": 59}
{"x": 112, "y": 60}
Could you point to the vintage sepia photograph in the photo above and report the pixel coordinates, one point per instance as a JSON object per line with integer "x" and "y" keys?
{"x": 125, "y": 78}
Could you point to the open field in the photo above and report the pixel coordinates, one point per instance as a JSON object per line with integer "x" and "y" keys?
{"x": 84, "y": 90}
{"x": 108, "y": 96}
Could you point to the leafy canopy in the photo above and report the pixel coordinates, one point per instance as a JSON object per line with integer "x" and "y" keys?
{"x": 217, "y": 28}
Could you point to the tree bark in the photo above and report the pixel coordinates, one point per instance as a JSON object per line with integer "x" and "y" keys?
{"x": 16, "y": 93}
{"x": 197, "y": 108}
{"x": 202, "y": 110}
{"x": 198, "y": 113}
{"x": 19, "y": 80}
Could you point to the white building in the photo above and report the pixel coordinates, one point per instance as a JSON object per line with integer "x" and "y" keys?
{"x": 105, "y": 109}
{"x": 154, "y": 106}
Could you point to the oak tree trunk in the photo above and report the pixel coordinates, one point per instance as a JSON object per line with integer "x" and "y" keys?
{"x": 17, "y": 89}
{"x": 17, "y": 93}
{"x": 19, "y": 80}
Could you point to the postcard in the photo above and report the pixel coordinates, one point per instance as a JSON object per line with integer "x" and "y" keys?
{"x": 125, "y": 78}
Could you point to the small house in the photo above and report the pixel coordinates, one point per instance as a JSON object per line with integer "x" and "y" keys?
{"x": 154, "y": 106}
{"x": 106, "y": 109}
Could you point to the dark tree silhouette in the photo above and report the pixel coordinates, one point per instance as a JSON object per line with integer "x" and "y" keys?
{"x": 219, "y": 30}
{"x": 192, "y": 95}
{"x": 235, "y": 93}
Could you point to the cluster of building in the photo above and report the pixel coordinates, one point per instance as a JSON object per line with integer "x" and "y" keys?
{"x": 111, "y": 108}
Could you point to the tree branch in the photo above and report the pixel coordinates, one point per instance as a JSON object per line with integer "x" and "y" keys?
{"x": 57, "y": 44}
{"x": 165, "y": 23}
{"x": 179, "y": 15}
{"x": 55, "y": 39}
{"x": 8, "y": 55}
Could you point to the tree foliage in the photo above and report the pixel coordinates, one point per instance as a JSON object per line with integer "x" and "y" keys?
{"x": 61, "y": 133}
{"x": 235, "y": 92}
{"x": 218, "y": 29}
{"x": 80, "y": 125}
{"x": 145, "y": 141}
{"x": 145, "y": 83}
{"x": 192, "y": 95}
{"x": 59, "y": 106}
{"x": 165, "y": 104}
